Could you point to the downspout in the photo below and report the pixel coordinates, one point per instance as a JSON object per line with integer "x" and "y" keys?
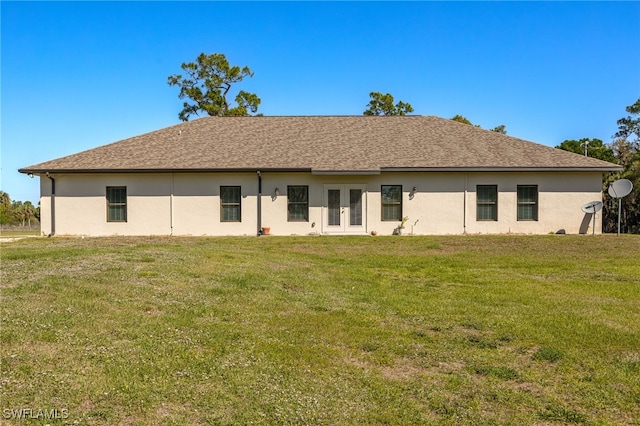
{"x": 171, "y": 207}
{"x": 259, "y": 204}
{"x": 464, "y": 204}
{"x": 53, "y": 206}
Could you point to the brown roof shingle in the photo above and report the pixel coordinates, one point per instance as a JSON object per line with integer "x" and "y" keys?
{"x": 321, "y": 144}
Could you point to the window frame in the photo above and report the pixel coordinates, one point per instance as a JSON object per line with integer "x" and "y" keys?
{"x": 226, "y": 204}
{"x": 493, "y": 202}
{"x": 534, "y": 204}
{"x": 305, "y": 203}
{"x": 109, "y": 192}
{"x": 397, "y": 204}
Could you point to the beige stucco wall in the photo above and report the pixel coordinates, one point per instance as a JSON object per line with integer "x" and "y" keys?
{"x": 80, "y": 204}
{"x": 560, "y": 198}
{"x": 189, "y": 203}
{"x": 445, "y": 203}
{"x": 196, "y": 204}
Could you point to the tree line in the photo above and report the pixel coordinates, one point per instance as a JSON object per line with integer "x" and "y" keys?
{"x": 17, "y": 213}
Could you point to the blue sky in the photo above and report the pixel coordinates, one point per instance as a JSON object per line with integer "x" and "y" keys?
{"x": 76, "y": 75}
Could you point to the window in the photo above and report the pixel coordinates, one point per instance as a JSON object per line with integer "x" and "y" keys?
{"x": 487, "y": 202}
{"x": 297, "y": 203}
{"x": 527, "y": 202}
{"x": 391, "y": 202}
{"x": 230, "y": 204}
{"x": 116, "y": 203}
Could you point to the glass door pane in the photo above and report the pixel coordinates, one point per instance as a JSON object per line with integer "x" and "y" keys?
{"x": 355, "y": 207}
{"x": 333, "y": 207}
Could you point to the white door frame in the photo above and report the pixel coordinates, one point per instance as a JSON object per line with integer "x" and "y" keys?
{"x": 345, "y": 218}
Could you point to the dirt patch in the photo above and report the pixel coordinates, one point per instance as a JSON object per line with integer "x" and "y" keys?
{"x": 4, "y": 239}
{"x": 403, "y": 369}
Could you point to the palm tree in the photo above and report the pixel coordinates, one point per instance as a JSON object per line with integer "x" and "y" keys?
{"x": 5, "y": 207}
{"x": 29, "y": 212}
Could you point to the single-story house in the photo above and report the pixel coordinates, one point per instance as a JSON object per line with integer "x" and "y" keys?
{"x": 319, "y": 175}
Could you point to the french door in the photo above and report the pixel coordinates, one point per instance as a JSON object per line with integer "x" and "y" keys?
{"x": 345, "y": 209}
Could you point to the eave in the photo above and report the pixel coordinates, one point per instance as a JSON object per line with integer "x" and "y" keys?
{"x": 613, "y": 168}
{"x": 148, "y": 171}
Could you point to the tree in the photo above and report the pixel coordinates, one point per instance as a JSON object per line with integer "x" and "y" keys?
{"x": 207, "y": 84}
{"x": 620, "y": 152}
{"x": 460, "y": 119}
{"x": 629, "y": 126}
{"x": 29, "y": 212}
{"x": 502, "y": 129}
{"x": 627, "y": 148}
{"x": 624, "y": 151}
{"x": 383, "y": 105}
{"x": 594, "y": 147}
{"x": 464, "y": 120}
{"x": 5, "y": 208}
{"x": 630, "y": 220}
{"x": 16, "y": 212}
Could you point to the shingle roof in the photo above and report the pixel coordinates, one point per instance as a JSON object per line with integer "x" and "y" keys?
{"x": 321, "y": 144}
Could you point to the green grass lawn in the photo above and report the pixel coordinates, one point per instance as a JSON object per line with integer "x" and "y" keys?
{"x": 322, "y": 330}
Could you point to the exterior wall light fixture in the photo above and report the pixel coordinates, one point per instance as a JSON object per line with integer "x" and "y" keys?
{"x": 413, "y": 192}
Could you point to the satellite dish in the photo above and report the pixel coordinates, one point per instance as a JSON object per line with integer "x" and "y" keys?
{"x": 592, "y": 207}
{"x": 620, "y": 188}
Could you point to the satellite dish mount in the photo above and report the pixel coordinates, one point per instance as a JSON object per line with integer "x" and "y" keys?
{"x": 592, "y": 208}
{"x": 618, "y": 189}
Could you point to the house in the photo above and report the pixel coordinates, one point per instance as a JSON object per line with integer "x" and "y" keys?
{"x": 319, "y": 175}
